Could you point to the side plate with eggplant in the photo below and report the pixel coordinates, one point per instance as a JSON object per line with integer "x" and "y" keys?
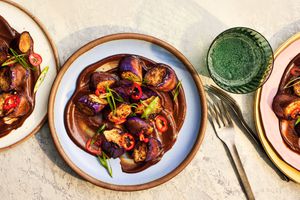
{"x": 286, "y": 105}
{"x": 20, "y": 77}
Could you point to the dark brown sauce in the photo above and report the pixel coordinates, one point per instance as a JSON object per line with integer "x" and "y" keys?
{"x": 8, "y": 36}
{"x": 287, "y": 127}
{"x": 81, "y": 127}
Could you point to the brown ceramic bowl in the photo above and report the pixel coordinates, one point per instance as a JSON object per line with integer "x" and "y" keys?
{"x": 190, "y": 135}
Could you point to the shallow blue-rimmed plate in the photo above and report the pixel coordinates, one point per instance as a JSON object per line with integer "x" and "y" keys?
{"x": 21, "y": 19}
{"x": 190, "y": 135}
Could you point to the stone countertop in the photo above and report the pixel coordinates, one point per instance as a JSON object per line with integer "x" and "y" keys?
{"x": 35, "y": 170}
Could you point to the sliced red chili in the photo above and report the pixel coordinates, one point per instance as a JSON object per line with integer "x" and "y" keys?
{"x": 128, "y": 141}
{"x": 295, "y": 112}
{"x": 92, "y": 148}
{"x": 11, "y": 102}
{"x": 295, "y": 71}
{"x": 35, "y": 59}
{"x": 142, "y": 137}
{"x": 136, "y": 91}
{"x": 100, "y": 90}
{"x": 116, "y": 120}
{"x": 161, "y": 123}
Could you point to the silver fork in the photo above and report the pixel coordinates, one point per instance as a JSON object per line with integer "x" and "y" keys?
{"x": 223, "y": 127}
{"x": 236, "y": 110}
{"x": 238, "y": 114}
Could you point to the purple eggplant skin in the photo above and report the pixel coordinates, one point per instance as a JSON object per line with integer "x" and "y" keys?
{"x": 102, "y": 79}
{"x": 147, "y": 93}
{"x": 89, "y": 105}
{"x": 131, "y": 68}
{"x": 124, "y": 89}
{"x": 18, "y": 76}
{"x": 112, "y": 149}
{"x": 136, "y": 125}
{"x": 162, "y": 77}
{"x": 154, "y": 149}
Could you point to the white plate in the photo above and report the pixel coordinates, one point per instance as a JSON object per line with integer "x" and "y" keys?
{"x": 189, "y": 138}
{"x": 22, "y": 20}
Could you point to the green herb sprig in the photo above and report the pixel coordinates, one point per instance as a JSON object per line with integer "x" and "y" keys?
{"x": 21, "y": 59}
{"x": 176, "y": 90}
{"x": 292, "y": 82}
{"x": 297, "y": 121}
{"x": 105, "y": 163}
{"x": 111, "y": 100}
{"x": 40, "y": 79}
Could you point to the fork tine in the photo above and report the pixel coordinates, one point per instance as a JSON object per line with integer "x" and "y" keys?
{"x": 213, "y": 117}
{"x": 214, "y": 113}
{"x": 220, "y": 94}
{"x": 226, "y": 113}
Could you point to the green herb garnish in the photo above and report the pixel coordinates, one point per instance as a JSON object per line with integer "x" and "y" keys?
{"x": 150, "y": 108}
{"x": 11, "y": 60}
{"x": 134, "y": 105}
{"x": 21, "y": 59}
{"x": 40, "y": 79}
{"x": 176, "y": 90}
{"x": 292, "y": 82}
{"x": 105, "y": 163}
{"x": 99, "y": 131}
{"x": 111, "y": 100}
{"x": 118, "y": 98}
{"x": 297, "y": 121}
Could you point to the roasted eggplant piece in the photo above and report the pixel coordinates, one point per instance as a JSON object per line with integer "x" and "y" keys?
{"x": 3, "y": 51}
{"x": 102, "y": 80}
{"x": 131, "y": 68}
{"x": 147, "y": 93}
{"x": 121, "y": 113}
{"x": 154, "y": 149}
{"x": 113, "y": 135}
{"x": 11, "y": 78}
{"x": 18, "y": 76}
{"x": 113, "y": 150}
{"x": 91, "y": 104}
{"x": 292, "y": 110}
{"x": 140, "y": 152}
{"x": 136, "y": 125}
{"x": 22, "y": 108}
{"x": 162, "y": 77}
{"x": 25, "y": 43}
{"x": 296, "y": 88}
{"x": 147, "y": 151}
{"x": 290, "y": 134}
{"x": 5, "y": 80}
{"x": 284, "y": 104}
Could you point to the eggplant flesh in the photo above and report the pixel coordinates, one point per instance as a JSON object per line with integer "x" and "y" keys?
{"x": 162, "y": 77}
{"x": 140, "y": 152}
{"x": 102, "y": 80}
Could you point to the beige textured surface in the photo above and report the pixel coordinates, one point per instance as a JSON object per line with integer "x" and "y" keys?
{"x": 34, "y": 169}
